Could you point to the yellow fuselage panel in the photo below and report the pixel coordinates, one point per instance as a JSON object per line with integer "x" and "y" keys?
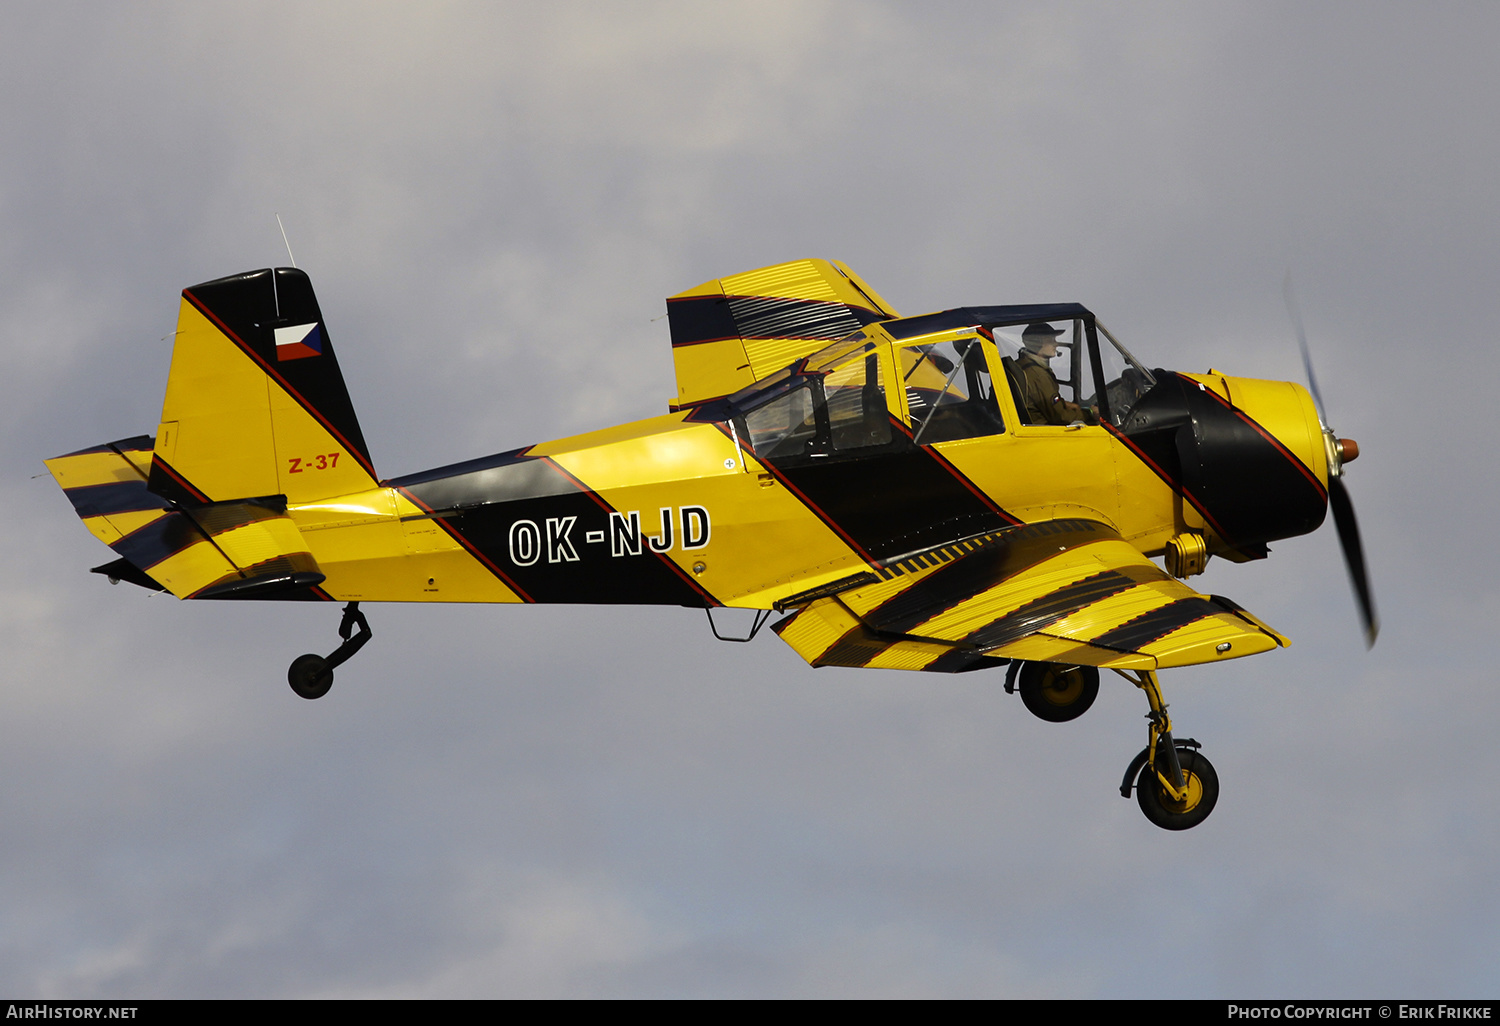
{"x": 1035, "y": 471}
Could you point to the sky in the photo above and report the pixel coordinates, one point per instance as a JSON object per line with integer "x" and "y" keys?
{"x": 492, "y": 201}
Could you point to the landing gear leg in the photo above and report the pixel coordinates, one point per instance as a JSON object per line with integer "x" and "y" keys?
{"x": 1175, "y": 785}
{"x": 312, "y": 675}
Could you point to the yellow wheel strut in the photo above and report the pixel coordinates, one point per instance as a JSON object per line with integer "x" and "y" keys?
{"x": 1160, "y": 728}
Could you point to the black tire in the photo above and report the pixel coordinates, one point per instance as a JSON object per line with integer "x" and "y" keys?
{"x": 1056, "y": 693}
{"x": 1203, "y": 791}
{"x": 310, "y": 676}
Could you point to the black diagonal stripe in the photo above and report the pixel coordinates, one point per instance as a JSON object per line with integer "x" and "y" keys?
{"x": 146, "y": 546}
{"x": 484, "y": 500}
{"x": 1134, "y": 635}
{"x": 226, "y": 516}
{"x": 1049, "y": 609}
{"x": 890, "y": 505}
{"x": 962, "y": 579}
{"x": 170, "y": 484}
{"x": 1247, "y": 485}
{"x": 1256, "y": 489}
{"x": 136, "y": 443}
{"x": 695, "y": 319}
{"x": 961, "y": 660}
{"x": 115, "y": 497}
{"x": 856, "y": 648}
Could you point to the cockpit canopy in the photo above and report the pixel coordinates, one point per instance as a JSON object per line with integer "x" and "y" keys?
{"x": 838, "y": 401}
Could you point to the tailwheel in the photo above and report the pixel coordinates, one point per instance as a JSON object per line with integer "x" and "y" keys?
{"x": 310, "y": 676}
{"x": 1164, "y": 807}
{"x": 1057, "y": 693}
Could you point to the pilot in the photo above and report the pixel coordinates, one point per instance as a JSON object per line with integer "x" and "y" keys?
{"x": 1039, "y": 388}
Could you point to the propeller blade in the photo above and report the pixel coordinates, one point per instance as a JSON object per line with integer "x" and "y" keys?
{"x": 1296, "y": 315}
{"x": 1354, "y": 555}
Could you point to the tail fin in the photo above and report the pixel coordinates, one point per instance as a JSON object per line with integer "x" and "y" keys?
{"x": 256, "y": 405}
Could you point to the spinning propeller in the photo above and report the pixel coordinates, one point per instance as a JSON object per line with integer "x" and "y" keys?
{"x": 1340, "y": 451}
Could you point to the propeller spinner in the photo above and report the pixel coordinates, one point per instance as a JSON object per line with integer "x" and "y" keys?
{"x": 1340, "y": 451}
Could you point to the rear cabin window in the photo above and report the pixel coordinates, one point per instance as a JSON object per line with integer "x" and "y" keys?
{"x": 837, "y": 411}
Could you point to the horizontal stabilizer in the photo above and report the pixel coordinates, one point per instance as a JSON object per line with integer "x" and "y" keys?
{"x": 246, "y": 548}
{"x": 124, "y": 570}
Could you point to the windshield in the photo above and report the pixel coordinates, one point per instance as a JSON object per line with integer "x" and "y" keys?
{"x": 1125, "y": 380}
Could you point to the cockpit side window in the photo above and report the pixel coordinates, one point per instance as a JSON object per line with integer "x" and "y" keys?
{"x": 950, "y": 393}
{"x": 785, "y": 426}
{"x": 825, "y": 412}
{"x": 1057, "y": 379}
{"x": 1046, "y": 363}
{"x": 857, "y": 415}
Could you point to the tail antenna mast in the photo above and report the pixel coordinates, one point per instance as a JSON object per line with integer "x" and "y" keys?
{"x": 285, "y": 242}
{"x": 275, "y": 296}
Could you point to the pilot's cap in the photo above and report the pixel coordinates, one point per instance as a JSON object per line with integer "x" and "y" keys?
{"x": 1039, "y": 334}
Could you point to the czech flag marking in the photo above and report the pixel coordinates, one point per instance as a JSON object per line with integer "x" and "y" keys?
{"x": 299, "y": 341}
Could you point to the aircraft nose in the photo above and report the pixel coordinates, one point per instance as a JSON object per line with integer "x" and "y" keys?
{"x": 1255, "y": 457}
{"x": 1348, "y": 450}
{"x": 1285, "y": 410}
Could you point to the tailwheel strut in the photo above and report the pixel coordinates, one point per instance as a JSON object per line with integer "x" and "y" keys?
{"x": 1175, "y": 784}
{"x": 312, "y": 675}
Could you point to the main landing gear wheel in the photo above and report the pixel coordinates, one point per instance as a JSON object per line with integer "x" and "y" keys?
{"x": 1058, "y": 693}
{"x": 312, "y": 675}
{"x": 1174, "y": 783}
{"x": 1166, "y": 810}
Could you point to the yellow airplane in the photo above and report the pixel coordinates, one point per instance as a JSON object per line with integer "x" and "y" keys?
{"x": 978, "y": 488}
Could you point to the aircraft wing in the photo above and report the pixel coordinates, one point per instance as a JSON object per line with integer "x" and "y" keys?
{"x": 1061, "y": 591}
{"x": 731, "y": 332}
